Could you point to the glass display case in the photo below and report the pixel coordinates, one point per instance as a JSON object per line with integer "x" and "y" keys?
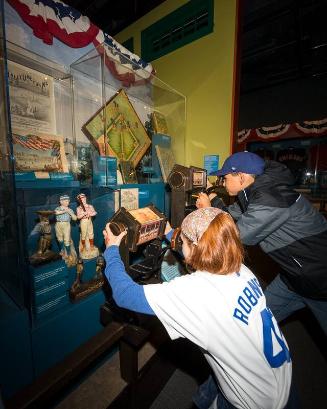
{"x": 98, "y": 134}
{"x": 99, "y": 127}
{"x": 78, "y": 140}
{"x": 82, "y": 123}
{"x": 137, "y": 121}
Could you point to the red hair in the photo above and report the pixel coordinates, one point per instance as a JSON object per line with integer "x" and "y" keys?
{"x": 219, "y": 250}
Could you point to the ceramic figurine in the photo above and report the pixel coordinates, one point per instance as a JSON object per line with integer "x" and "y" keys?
{"x": 44, "y": 253}
{"x": 64, "y": 216}
{"x": 78, "y": 280}
{"x": 81, "y": 289}
{"x": 99, "y": 268}
{"x": 85, "y": 213}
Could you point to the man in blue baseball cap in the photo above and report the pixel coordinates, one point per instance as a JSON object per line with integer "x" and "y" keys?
{"x": 269, "y": 212}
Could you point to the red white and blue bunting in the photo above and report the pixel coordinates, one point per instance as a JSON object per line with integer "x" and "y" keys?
{"x": 282, "y": 131}
{"x": 318, "y": 127}
{"x": 53, "y": 18}
{"x": 268, "y": 132}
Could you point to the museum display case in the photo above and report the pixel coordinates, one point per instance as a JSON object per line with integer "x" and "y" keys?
{"x": 78, "y": 142}
{"x": 88, "y": 129}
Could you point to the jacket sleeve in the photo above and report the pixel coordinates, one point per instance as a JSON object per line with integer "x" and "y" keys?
{"x": 126, "y": 293}
{"x": 260, "y": 221}
{"x": 234, "y": 210}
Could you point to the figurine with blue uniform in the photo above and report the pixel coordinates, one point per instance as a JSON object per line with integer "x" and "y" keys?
{"x": 64, "y": 215}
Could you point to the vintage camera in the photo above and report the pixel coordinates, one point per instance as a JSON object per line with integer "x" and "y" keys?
{"x": 145, "y": 228}
{"x": 185, "y": 184}
{"x": 143, "y": 225}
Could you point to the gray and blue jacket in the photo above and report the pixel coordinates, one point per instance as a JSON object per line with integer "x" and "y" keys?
{"x": 287, "y": 227}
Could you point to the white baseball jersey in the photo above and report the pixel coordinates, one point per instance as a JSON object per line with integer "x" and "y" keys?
{"x": 226, "y": 315}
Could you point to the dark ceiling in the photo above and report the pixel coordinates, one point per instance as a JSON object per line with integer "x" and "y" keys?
{"x": 282, "y": 40}
{"x": 115, "y": 15}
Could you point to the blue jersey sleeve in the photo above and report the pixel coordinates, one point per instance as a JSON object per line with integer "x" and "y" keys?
{"x": 126, "y": 293}
{"x": 169, "y": 235}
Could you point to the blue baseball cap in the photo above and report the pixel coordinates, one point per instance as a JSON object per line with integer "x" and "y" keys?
{"x": 246, "y": 162}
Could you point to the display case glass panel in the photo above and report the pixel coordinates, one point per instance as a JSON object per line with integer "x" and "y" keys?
{"x": 10, "y": 275}
{"x": 41, "y": 118}
{"x": 121, "y": 113}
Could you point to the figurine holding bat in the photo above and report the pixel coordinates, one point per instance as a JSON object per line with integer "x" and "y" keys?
{"x": 85, "y": 213}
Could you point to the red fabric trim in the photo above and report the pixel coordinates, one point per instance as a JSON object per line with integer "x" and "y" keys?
{"x": 47, "y": 30}
{"x": 126, "y": 79}
{"x": 293, "y": 132}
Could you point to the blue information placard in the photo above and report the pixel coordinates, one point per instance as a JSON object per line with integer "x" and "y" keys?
{"x": 211, "y": 163}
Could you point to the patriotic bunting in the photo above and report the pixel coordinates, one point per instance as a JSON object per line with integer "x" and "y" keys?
{"x": 283, "y": 131}
{"x": 53, "y": 18}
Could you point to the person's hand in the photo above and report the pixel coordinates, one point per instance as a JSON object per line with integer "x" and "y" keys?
{"x": 168, "y": 228}
{"x": 203, "y": 201}
{"x": 110, "y": 239}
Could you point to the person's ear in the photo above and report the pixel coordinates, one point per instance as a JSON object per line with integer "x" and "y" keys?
{"x": 241, "y": 178}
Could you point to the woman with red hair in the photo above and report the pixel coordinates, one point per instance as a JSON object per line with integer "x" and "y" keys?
{"x": 220, "y": 307}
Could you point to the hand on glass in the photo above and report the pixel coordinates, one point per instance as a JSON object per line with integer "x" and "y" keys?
{"x": 110, "y": 239}
{"x": 203, "y": 201}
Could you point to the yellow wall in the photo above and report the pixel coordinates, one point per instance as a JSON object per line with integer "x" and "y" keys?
{"x": 203, "y": 72}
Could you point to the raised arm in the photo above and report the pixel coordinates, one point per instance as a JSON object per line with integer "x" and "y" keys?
{"x": 126, "y": 293}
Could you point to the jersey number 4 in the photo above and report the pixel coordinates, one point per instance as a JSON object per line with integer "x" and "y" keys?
{"x": 269, "y": 331}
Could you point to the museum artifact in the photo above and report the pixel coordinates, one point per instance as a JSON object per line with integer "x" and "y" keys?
{"x": 32, "y": 101}
{"x": 185, "y": 184}
{"x": 80, "y": 289}
{"x": 116, "y": 130}
{"x": 44, "y": 253}
{"x": 159, "y": 123}
{"x": 143, "y": 225}
{"x": 128, "y": 172}
{"x": 64, "y": 215}
{"x": 85, "y": 213}
{"x": 39, "y": 153}
{"x": 166, "y": 161}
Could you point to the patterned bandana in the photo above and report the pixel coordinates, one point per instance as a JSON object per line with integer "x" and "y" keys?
{"x": 197, "y": 222}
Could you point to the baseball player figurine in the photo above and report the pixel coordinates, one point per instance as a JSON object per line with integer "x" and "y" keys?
{"x": 64, "y": 215}
{"x": 85, "y": 213}
{"x": 43, "y": 228}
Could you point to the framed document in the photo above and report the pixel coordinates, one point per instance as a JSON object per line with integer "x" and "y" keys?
{"x": 32, "y": 106}
{"x": 129, "y": 198}
{"x": 116, "y": 130}
{"x": 39, "y": 153}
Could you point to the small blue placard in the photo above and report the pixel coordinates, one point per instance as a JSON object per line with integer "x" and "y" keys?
{"x": 144, "y": 194}
{"x": 25, "y": 176}
{"x": 61, "y": 176}
{"x": 105, "y": 170}
{"x": 211, "y": 163}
